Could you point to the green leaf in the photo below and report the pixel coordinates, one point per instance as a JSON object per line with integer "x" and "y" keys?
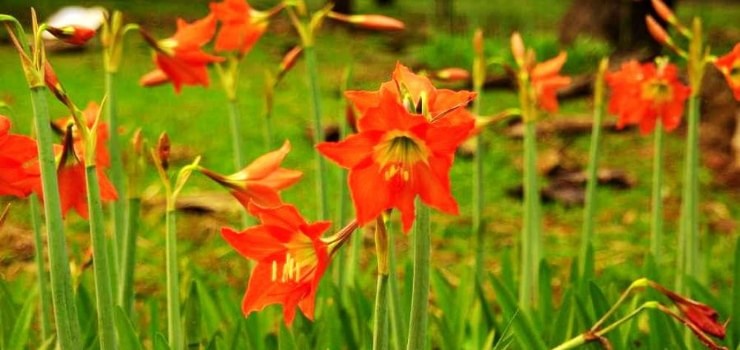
{"x": 209, "y": 312}
{"x": 7, "y": 311}
{"x": 561, "y": 330}
{"x": 192, "y": 317}
{"x": 160, "y": 342}
{"x": 48, "y": 344}
{"x": 19, "y": 336}
{"x": 127, "y": 337}
{"x": 285, "y": 338}
{"x": 527, "y": 336}
{"x": 601, "y": 306}
{"x": 445, "y": 300}
{"x": 545, "y": 308}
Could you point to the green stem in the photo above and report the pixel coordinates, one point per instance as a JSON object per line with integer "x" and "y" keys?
{"x": 531, "y": 236}
{"x": 318, "y": 129}
{"x": 174, "y": 327}
{"x": 65, "y": 309}
{"x": 128, "y": 262}
{"x": 103, "y": 290}
{"x": 420, "y": 285}
{"x": 478, "y": 196}
{"x": 44, "y": 296}
{"x": 688, "y": 262}
{"x": 380, "y": 324}
{"x": 117, "y": 174}
{"x": 593, "y": 165}
{"x": 398, "y": 323}
{"x": 640, "y": 283}
{"x": 656, "y": 232}
{"x": 236, "y": 143}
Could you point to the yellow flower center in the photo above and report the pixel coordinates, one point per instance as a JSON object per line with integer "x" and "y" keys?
{"x": 657, "y": 90}
{"x": 300, "y": 261}
{"x": 397, "y": 153}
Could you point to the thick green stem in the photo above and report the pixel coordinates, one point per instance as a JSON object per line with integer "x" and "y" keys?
{"x": 174, "y": 327}
{"x": 318, "y": 129}
{"x": 593, "y": 165}
{"x": 44, "y": 296}
{"x": 117, "y": 174}
{"x": 380, "y": 324}
{"x": 103, "y": 290}
{"x": 128, "y": 258}
{"x": 420, "y": 285}
{"x": 656, "y": 224}
{"x": 531, "y": 232}
{"x": 65, "y": 309}
{"x": 688, "y": 255}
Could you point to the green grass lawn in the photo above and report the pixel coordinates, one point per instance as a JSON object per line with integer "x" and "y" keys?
{"x": 197, "y": 123}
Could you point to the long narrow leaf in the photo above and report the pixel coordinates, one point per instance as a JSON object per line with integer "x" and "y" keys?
{"x": 127, "y": 337}
{"x": 19, "y": 336}
{"x": 527, "y": 336}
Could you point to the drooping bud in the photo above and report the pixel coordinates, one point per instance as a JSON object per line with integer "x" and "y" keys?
{"x": 154, "y": 78}
{"x": 289, "y": 60}
{"x": 372, "y": 22}
{"x": 453, "y": 74}
{"x": 52, "y": 82}
{"x": 702, "y": 316}
{"x": 75, "y": 35}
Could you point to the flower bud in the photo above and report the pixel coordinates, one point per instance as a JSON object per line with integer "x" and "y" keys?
{"x": 656, "y": 31}
{"x": 52, "y": 82}
{"x": 154, "y": 78}
{"x": 478, "y": 44}
{"x": 290, "y": 59}
{"x": 163, "y": 150}
{"x": 372, "y": 22}
{"x": 517, "y": 48}
{"x": 453, "y": 74}
{"x": 75, "y": 35}
{"x": 664, "y": 11}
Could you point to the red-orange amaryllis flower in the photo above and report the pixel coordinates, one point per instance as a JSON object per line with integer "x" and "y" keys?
{"x": 261, "y": 180}
{"x": 18, "y": 176}
{"x": 395, "y": 156}
{"x": 446, "y": 106}
{"x": 291, "y": 258}
{"x": 729, "y": 65}
{"x": 71, "y": 178}
{"x": 240, "y": 30}
{"x": 544, "y": 77}
{"x": 644, "y": 93}
{"x": 181, "y": 58}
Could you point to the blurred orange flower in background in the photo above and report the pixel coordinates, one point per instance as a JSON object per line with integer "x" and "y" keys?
{"x": 644, "y": 93}
{"x": 18, "y": 175}
{"x": 729, "y": 65}
{"x": 240, "y": 30}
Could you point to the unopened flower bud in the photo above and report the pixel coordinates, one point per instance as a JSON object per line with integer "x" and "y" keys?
{"x": 52, "y": 82}
{"x": 372, "y": 22}
{"x": 75, "y": 35}
{"x": 656, "y": 31}
{"x": 163, "y": 150}
{"x": 517, "y": 48}
{"x": 453, "y": 74}
{"x": 478, "y": 44}
{"x": 664, "y": 11}
{"x": 137, "y": 142}
{"x": 154, "y": 78}
{"x": 290, "y": 59}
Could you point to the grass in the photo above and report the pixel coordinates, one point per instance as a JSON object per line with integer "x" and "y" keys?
{"x": 196, "y": 121}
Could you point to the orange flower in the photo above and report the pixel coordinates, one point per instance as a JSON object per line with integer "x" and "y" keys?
{"x": 642, "y": 94}
{"x": 291, "y": 259}
{"x": 71, "y": 177}
{"x": 729, "y": 65}
{"x": 445, "y": 106}
{"x": 398, "y": 154}
{"x": 18, "y": 176}
{"x": 545, "y": 77}
{"x": 180, "y": 57}
{"x": 261, "y": 180}
{"x": 239, "y": 29}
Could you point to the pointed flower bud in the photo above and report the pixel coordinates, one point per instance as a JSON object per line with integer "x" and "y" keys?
{"x": 372, "y": 22}
{"x": 664, "y": 11}
{"x": 52, "y": 82}
{"x": 656, "y": 31}
{"x": 75, "y": 35}
{"x": 517, "y": 48}
{"x": 154, "y": 78}
{"x": 452, "y": 74}
{"x": 478, "y": 44}
{"x": 163, "y": 150}
{"x": 290, "y": 58}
